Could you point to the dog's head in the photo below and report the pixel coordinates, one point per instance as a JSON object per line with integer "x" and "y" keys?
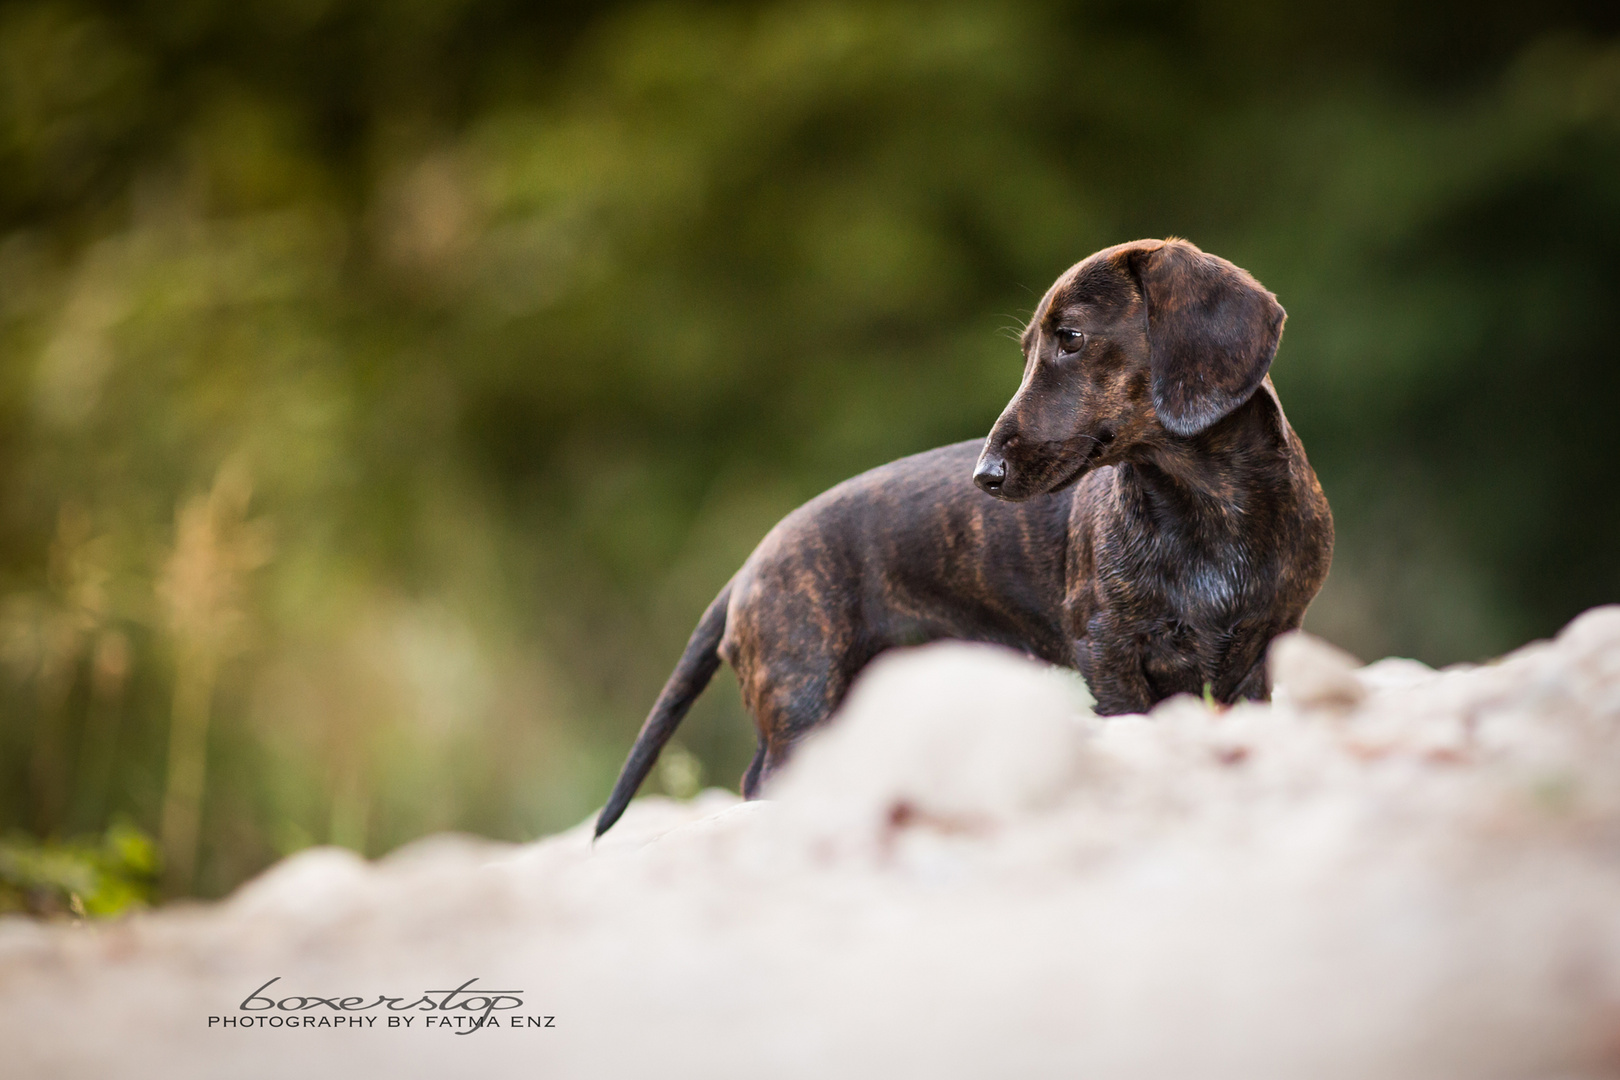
{"x": 1141, "y": 343}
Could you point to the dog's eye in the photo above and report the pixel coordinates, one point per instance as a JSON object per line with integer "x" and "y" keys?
{"x": 1070, "y": 341}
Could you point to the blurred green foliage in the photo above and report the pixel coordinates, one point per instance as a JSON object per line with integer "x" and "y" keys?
{"x": 385, "y": 388}
{"x": 93, "y": 878}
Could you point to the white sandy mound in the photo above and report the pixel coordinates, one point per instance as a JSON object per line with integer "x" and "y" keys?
{"x": 1390, "y": 872}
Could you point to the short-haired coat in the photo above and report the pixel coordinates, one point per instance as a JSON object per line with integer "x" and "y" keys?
{"x": 1154, "y": 524}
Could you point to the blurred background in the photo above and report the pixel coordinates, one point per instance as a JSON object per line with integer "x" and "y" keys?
{"x": 386, "y": 387}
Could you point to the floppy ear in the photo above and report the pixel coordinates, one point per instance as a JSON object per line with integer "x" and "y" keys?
{"x": 1212, "y": 332}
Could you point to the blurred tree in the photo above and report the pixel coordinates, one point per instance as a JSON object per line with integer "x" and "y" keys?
{"x": 528, "y": 321}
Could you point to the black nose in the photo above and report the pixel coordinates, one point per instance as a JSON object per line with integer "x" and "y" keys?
{"x": 990, "y": 473}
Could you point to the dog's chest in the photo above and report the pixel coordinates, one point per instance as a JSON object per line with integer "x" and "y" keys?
{"x": 1183, "y": 609}
{"x": 1143, "y": 574}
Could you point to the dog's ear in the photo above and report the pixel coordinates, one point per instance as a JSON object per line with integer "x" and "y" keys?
{"x": 1212, "y": 332}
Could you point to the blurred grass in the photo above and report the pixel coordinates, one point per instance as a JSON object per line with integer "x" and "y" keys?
{"x": 95, "y": 877}
{"x": 385, "y": 388}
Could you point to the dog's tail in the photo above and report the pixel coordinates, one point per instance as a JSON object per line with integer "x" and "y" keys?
{"x": 692, "y": 673}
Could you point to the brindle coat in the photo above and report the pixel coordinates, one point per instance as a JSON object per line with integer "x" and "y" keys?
{"x": 1155, "y": 522}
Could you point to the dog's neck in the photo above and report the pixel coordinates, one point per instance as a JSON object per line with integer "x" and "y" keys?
{"x": 1219, "y": 478}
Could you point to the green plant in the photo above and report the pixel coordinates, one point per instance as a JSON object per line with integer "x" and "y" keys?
{"x": 94, "y": 877}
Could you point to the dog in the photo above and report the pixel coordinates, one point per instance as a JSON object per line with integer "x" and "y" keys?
{"x": 1141, "y": 512}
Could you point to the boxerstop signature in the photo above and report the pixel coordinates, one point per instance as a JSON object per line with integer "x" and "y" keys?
{"x": 463, "y": 1008}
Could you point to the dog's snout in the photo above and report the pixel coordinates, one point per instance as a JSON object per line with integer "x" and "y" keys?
{"x": 990, "y": 473}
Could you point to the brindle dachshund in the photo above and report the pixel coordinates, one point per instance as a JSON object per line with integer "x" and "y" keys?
{"x": 1154, "y": 522}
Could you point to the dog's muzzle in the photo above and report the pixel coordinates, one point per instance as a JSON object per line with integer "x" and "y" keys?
{"x": 990, "y": 473}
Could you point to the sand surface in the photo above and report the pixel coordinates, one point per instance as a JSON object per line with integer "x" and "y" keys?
{"x": 1389, "y": 872}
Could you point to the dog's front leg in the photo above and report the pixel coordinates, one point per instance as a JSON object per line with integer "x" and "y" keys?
{"x": 1114, "y": 671}
{"x": 1256, "y": 685}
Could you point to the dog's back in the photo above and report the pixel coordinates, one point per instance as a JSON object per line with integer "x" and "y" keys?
{"x": 906, "y": 553}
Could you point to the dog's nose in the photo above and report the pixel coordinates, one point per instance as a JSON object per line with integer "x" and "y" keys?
{"x": 990, "y": 473}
